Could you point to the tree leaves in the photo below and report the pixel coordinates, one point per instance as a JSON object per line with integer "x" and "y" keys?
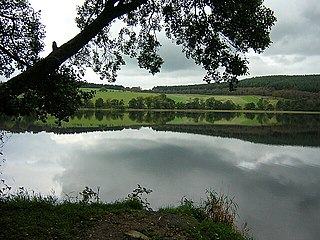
{"x": 216, "y": 34}
{"x": 21, "y": 36}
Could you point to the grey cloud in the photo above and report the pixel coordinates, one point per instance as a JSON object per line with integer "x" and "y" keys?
{"x": 312, "y": 12}
{"x": 295, "y": 35}
{"x": 297, "y": 31}
{"x": 175, "y": 62}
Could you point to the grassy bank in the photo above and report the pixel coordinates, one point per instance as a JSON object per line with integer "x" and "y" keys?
{"x": 36, "y": 217}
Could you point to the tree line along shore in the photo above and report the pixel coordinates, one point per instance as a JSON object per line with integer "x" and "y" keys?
{"x": 114, "y": 99}
{"x": 279, "y": 93}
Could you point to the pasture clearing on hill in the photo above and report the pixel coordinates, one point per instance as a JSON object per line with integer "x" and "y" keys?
{"x": 184, "y": 98}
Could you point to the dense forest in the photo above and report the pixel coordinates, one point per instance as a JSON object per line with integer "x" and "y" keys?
{"x": 265, "y": 85}
{"x": 104, "y": 86}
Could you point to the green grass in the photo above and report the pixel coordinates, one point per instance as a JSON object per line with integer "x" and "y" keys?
{"x": 216, "y": 217}
{"x": 36, "y": 217}
{"x": 25, "y": 216}
{"x": 113, "y": 94}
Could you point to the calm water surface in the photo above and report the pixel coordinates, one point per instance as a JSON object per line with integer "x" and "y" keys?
{"x": 277, "y": 188}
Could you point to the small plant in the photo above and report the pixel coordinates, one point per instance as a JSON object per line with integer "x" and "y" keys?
{"x": 220, "y": 208}
{"x": 244, "y": 231}
{"x": 4, "y": 189}
{"x": 136, "y": 195}
{"x": 187, "y": 207}
{"x": 90, "y": 196}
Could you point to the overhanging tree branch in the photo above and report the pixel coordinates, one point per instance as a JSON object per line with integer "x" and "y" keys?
{"x": 14, "y": 57}
{"x": 195, "y": 25}
{"x": 37, "y": 73}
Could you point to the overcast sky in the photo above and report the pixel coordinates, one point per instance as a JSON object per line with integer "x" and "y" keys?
{"x": 295, "y": 48}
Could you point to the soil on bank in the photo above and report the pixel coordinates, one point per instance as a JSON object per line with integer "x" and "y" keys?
{"x": 142, "y": 225}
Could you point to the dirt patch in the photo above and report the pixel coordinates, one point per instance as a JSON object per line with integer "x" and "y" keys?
{"x": 145, "y": 224}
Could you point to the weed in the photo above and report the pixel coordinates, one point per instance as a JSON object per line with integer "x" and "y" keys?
{"x": 220, "y": 208}
{"x": 137, "y": 194}
{"x": 90, "y": 196}
{"x": 216, "y": 214}
{"x": 220, "y": 231}
{"x": 187, "y": 207}
{"x": 4, "y": 189}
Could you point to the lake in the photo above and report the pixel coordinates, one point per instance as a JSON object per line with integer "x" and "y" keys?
{"x": 269, "y": 164}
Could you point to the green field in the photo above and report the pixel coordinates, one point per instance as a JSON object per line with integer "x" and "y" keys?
{"x": 127, "y": 96}
{"x": 114, "y": 94}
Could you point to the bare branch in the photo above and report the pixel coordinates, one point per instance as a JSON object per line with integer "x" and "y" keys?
{"x": 8, "y": 17}
{"x": 13, "y": 56}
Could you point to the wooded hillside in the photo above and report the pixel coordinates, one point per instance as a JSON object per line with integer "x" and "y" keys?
{"x": 265, "y": 85}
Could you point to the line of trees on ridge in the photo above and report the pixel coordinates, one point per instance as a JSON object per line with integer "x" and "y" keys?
{"x": 164, "y": 102}
{"x": 264, "y": 85}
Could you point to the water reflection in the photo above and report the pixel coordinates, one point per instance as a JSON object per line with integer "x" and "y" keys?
{"x": 166, "y": 117}
{"x": 276, "y": 187}
{"x": 268, "y": 128}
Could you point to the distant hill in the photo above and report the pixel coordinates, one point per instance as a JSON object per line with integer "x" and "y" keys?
{"x": 308, "y": 83}
{"x": 264, "y": 85}
{"x": 293, "y": 87}
{"x": 106, "y": 86}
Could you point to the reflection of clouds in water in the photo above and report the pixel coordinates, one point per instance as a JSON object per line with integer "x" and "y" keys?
{"x": 32, "y": 162}
{"x": 282, "y": 158}
{"x": 274, "y": 186}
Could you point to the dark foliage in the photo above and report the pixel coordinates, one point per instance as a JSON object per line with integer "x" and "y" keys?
{"x": 215, "y": 34}
{"x": 279, "y": 86}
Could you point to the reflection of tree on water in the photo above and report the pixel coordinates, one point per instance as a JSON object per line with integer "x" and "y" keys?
{"x": 78, "y": 115}
{"x": 217, "y": 116}
{"x": 250, "y": 116}
{"x": 287, "y": 129}
{"x": 152, "y": 117}
{"x": 274, "y": 135}
{"x": 264, "y": 118}
{"x": 196, "y": 117}
{"x": 98, "y": 114}
{"x": 299, "y": 119}
{"x": 136, "y": 116}
{"x": 88, "y": 114}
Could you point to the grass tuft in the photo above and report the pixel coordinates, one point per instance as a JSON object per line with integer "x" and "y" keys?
{"x": 216, "y": 217}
